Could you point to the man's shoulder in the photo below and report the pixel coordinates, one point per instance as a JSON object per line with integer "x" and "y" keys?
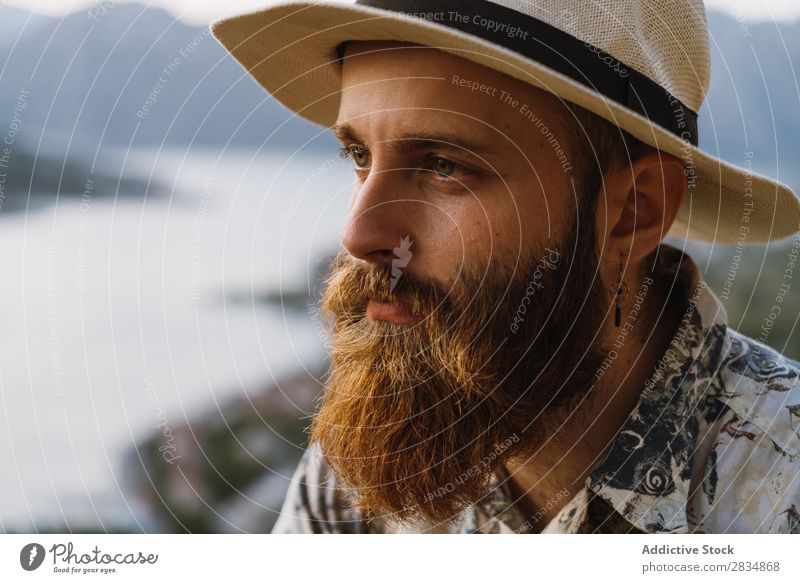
{"x": 751, "y": 475}
{"x": 762, "y": 387}
{"x": 316, "y": 503}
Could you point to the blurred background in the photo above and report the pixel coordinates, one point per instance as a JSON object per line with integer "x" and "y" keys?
{"x": 164, "y": 226}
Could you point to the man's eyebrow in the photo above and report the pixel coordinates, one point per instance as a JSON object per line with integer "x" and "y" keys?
{"x": 404, "y": 143}
{"x": 344, "y": 132}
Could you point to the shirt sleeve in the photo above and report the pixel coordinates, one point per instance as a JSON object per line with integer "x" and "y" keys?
{"x": 315, "y": 503}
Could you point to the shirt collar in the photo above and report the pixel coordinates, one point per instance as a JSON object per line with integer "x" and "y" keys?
{"x": 646, "y": 472}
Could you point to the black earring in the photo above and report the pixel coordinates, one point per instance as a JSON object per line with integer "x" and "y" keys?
{"x": 620, "y": 291}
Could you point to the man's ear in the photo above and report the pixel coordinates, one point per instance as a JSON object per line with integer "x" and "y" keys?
{"x": 643, "y": 199}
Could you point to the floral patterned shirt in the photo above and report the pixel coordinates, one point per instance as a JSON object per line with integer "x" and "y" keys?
{"x": 712, "y": 446}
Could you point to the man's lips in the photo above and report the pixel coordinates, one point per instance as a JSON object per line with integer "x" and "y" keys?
{"x": 394, "y": 312}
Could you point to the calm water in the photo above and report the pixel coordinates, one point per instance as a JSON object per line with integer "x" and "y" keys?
{"x": 118, "y": 312}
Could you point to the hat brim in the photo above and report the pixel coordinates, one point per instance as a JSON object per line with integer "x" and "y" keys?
{"x": 290, "y": 49}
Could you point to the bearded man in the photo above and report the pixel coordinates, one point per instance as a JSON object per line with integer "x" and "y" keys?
{"x": 514, "y": 348}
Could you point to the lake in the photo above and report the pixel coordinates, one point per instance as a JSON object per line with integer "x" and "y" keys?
{"x": 121, "y": 311}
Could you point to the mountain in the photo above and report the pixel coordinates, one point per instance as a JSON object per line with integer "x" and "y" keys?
{"x": 135, "y": 75}
{"x": 753, "y": 104}
{"x": 17, "y": 22}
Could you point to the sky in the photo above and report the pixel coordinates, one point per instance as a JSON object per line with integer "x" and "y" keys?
{"x": 203, "y": 11}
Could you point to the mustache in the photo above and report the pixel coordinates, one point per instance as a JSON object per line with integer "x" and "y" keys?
{"x": 357, "y": 282}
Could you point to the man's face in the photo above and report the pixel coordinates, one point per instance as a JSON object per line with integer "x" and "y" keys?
{"x": 501, "y": 189}
{"x": 466, "y": 307}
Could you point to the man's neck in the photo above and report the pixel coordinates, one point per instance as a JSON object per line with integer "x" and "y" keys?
{"x": 545, "y": 482}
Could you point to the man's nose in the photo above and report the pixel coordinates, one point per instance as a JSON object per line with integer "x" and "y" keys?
{"x": 380, "y": 218}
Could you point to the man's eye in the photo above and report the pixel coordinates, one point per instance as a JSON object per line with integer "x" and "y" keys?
{"x": 357, "y": 153}
{"x": 444, "y": 167}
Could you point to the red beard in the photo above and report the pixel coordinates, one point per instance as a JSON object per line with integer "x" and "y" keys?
{"x": 416, "y": 418}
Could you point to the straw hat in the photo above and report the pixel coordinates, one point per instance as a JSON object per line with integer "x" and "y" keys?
{"x": 644, "y": 65}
